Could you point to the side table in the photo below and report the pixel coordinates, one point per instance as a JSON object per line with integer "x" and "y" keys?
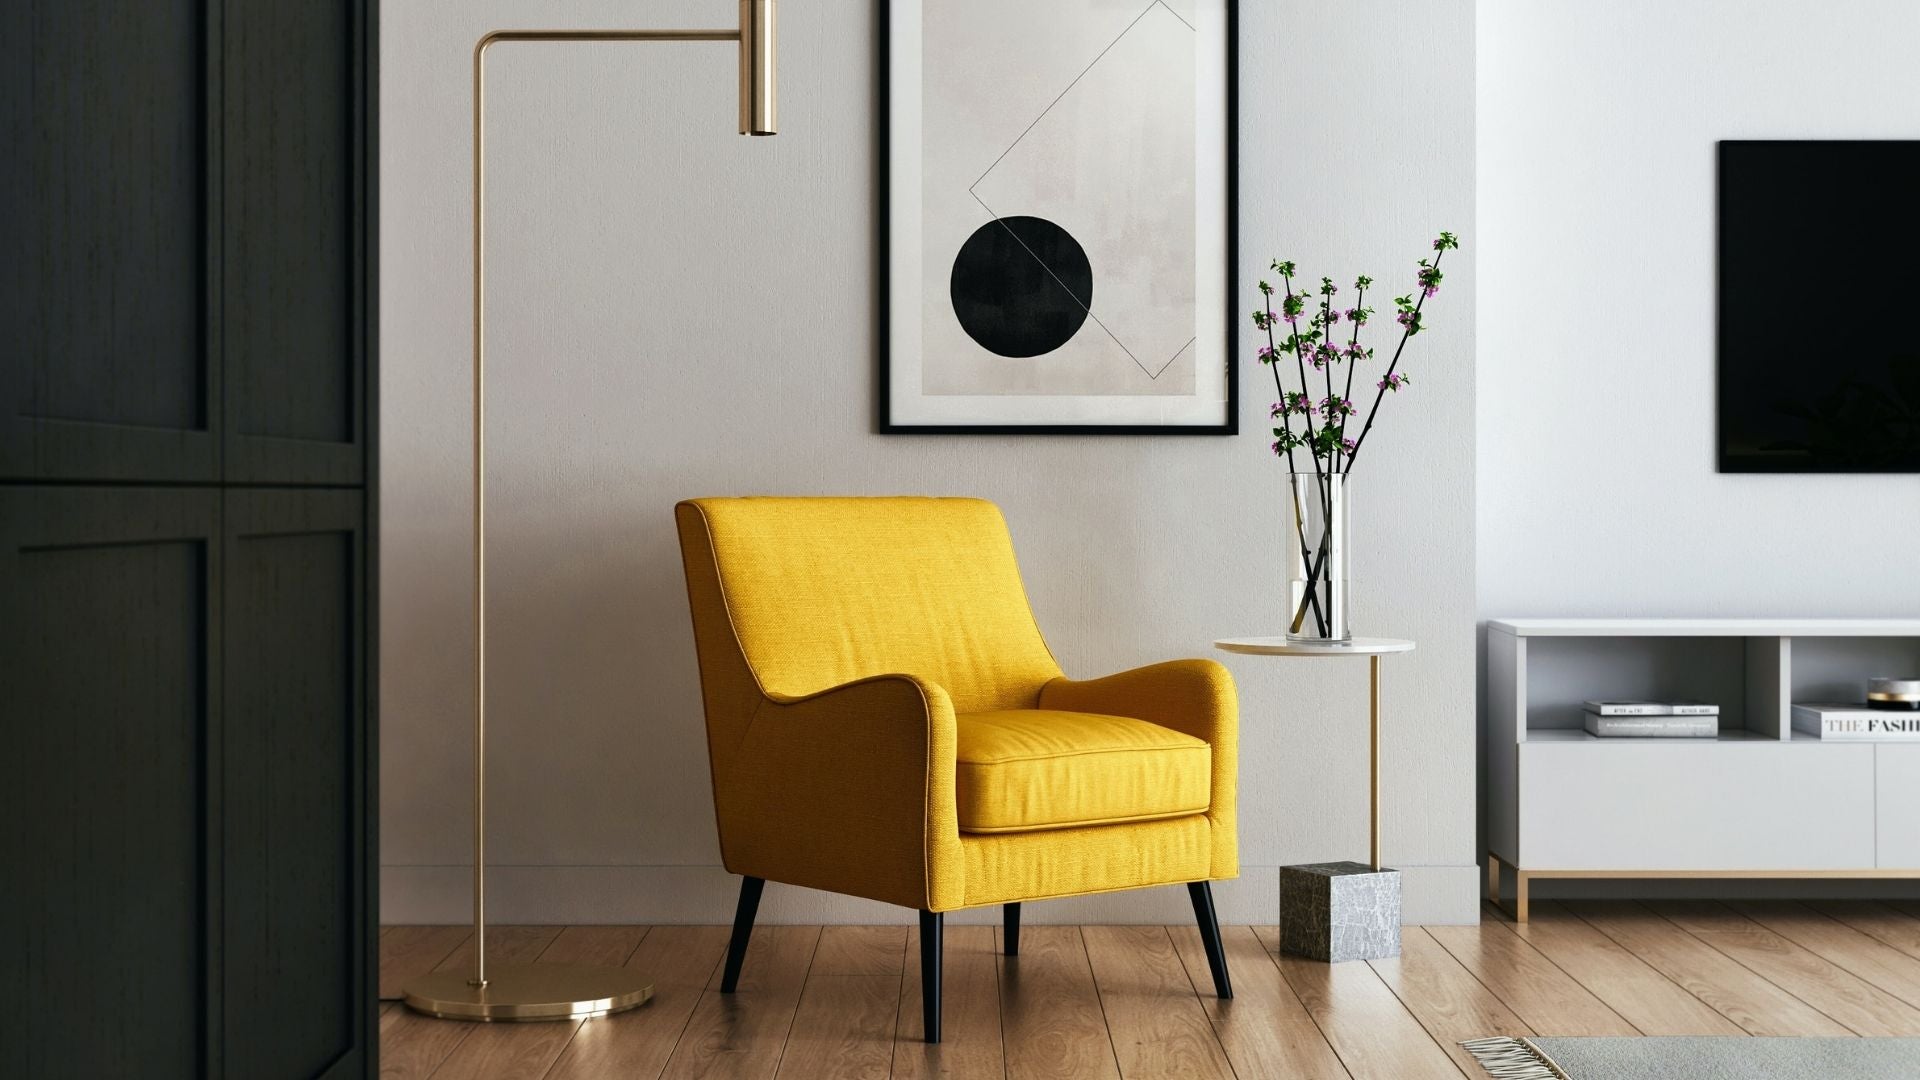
{"x": 1340, "y": 910}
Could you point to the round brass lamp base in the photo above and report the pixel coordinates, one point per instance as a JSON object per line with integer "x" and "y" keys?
{"x": 529, "y": 992}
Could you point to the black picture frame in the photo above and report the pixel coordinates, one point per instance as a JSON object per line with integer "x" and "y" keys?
{"x": 1808, "y": 203}
{"x": 884, "y": 422}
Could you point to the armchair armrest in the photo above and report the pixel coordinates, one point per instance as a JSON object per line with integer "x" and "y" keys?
{"x": 1194, "y": 697}
{"x": 851, "y": 790}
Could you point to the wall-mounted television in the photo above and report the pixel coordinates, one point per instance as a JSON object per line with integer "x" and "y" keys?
{"x": 1819, "y": 306}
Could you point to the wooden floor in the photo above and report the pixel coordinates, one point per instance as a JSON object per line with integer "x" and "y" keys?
{"x": 843, "y": 1002}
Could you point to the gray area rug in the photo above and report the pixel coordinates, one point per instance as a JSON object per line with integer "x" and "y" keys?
{"x": 1697, "y": 1058}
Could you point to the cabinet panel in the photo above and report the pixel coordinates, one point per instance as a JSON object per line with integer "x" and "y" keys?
{"x": 109, "y": 361}
{"x": 294, "y": 754}
{"x": 293, "y": 214}
{"x": 1897, "y": 797}
{"x": 1711, "y": 805}
{"x": 109, "y": 692}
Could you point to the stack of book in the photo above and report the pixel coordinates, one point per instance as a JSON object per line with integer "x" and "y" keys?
{"x": 1855, "y": 723}
{"x": 1653, "y": 719}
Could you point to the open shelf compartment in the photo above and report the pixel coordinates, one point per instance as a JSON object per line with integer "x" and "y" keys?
{"x": 1742, "y": 675}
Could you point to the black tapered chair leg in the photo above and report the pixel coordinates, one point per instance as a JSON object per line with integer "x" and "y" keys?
{"x": 1201, "y": 893}
{"x": 932, "y": 923}
{"x": 1012, "y": 928}
{"x": 742, "y": 930}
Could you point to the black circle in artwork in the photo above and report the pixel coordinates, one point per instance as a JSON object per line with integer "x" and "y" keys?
{"x": 1022, "y": 286}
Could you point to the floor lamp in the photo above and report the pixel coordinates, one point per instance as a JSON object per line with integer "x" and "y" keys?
{"x": 550, "y": 991}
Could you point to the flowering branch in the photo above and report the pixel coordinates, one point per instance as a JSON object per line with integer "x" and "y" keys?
{"x": 1429, "y": 278}
{"x": 1332, "y": 452}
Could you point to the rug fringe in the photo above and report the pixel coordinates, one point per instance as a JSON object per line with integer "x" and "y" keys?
{"x": 1507, "y": 1058}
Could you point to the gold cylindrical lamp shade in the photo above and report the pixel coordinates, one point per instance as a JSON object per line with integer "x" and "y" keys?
{"x": 757, "y": 96}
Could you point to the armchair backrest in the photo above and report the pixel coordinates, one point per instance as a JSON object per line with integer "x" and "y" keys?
{"x": 810, "y": 593}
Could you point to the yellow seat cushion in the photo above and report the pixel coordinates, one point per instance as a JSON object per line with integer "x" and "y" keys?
{"x": 1017, "y": 770}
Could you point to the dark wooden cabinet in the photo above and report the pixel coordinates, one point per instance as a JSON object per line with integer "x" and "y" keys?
{"x": 110, "y": 681}
{"x": 109, "y": 306}
{"x": 293, "y": 323}
{"x": 183, "y": 256}
{"x": 295, "y": 785}
{"x": 186, "y": 539}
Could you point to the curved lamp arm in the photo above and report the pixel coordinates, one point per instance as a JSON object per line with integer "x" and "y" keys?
{"x": 757, "y": 117}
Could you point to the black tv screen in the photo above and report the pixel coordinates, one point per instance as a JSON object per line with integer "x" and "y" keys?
{"x": 1819, "y": 306}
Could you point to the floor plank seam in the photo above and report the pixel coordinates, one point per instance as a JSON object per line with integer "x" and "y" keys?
{"x": 1837, "y": 965}
{"x": 1000, "y": 996}
{"x": 1602, "y": 931}
{"x": 1086, "y": 955}
{"x": 1638, "y": 959}
{"x": 1274, "y": 956}
{"x": 1213, "y": 1024}
{"x": 1408, "y": 1006}
{"x": 1555, "y": 964}
{"x": 578, "y": 1025}
{"x": 1757, "y": 974}
{"x": 453, "y": 1049}
{"x": 700, "y": 991}
{"x": 1912, "y": 1003}
{"x": 1896, "y": 946}
{"x": 899, "y": 1008}
{"x": 435, "y": 966}
{"x": 1723, "y": 906}
{"x": 787, "y": 1040}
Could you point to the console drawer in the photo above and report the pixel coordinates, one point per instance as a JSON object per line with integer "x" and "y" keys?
{"x": 1709, "y": 805}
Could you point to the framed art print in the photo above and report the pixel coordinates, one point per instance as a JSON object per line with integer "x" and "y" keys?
{"x": 1060, "y": 217}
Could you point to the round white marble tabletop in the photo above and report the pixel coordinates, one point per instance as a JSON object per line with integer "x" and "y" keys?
{"x": 1282, "y": 646}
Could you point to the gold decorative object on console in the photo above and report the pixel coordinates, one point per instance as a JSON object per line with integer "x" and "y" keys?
{"x": 551, "y": 991}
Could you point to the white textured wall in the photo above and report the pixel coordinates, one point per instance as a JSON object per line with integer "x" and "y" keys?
{"x": 1597, "y": 124}
{"x": 679, "y": 311}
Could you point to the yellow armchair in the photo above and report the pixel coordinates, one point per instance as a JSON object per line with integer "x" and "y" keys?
{"x": 884, "y": 720}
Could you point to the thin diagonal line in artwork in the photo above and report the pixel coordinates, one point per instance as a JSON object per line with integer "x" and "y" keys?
{"x": 1175, "y": 356}
{"x": 1151, "y": 374}
{"x": 1063, "y": 286}
{"x": 1076, "y": 82}
{"x": 1176, "y": 15}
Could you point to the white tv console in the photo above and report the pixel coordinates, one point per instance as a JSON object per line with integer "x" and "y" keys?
{"x": 1757, "y": 802}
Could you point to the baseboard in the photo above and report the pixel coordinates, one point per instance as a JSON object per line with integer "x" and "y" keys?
{"x": 594, "y": 895}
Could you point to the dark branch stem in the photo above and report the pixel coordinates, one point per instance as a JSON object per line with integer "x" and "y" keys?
{"x": 1300, "y": 528}
{"x": 1326, "y": 331}
{"x": 1387, "y": 379}
{"x": 1286, "y": 420}
{"x": 1359, "y": 302}
{"x": 1320, "y": 477}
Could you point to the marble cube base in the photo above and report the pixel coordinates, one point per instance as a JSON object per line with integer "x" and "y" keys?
{"x": 1339, "y": 911}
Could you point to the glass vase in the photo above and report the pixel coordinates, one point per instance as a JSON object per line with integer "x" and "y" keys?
{"x": 1317, "y": 553}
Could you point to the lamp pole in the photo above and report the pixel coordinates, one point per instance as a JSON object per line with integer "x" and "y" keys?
{"x": 551, "y": 991}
